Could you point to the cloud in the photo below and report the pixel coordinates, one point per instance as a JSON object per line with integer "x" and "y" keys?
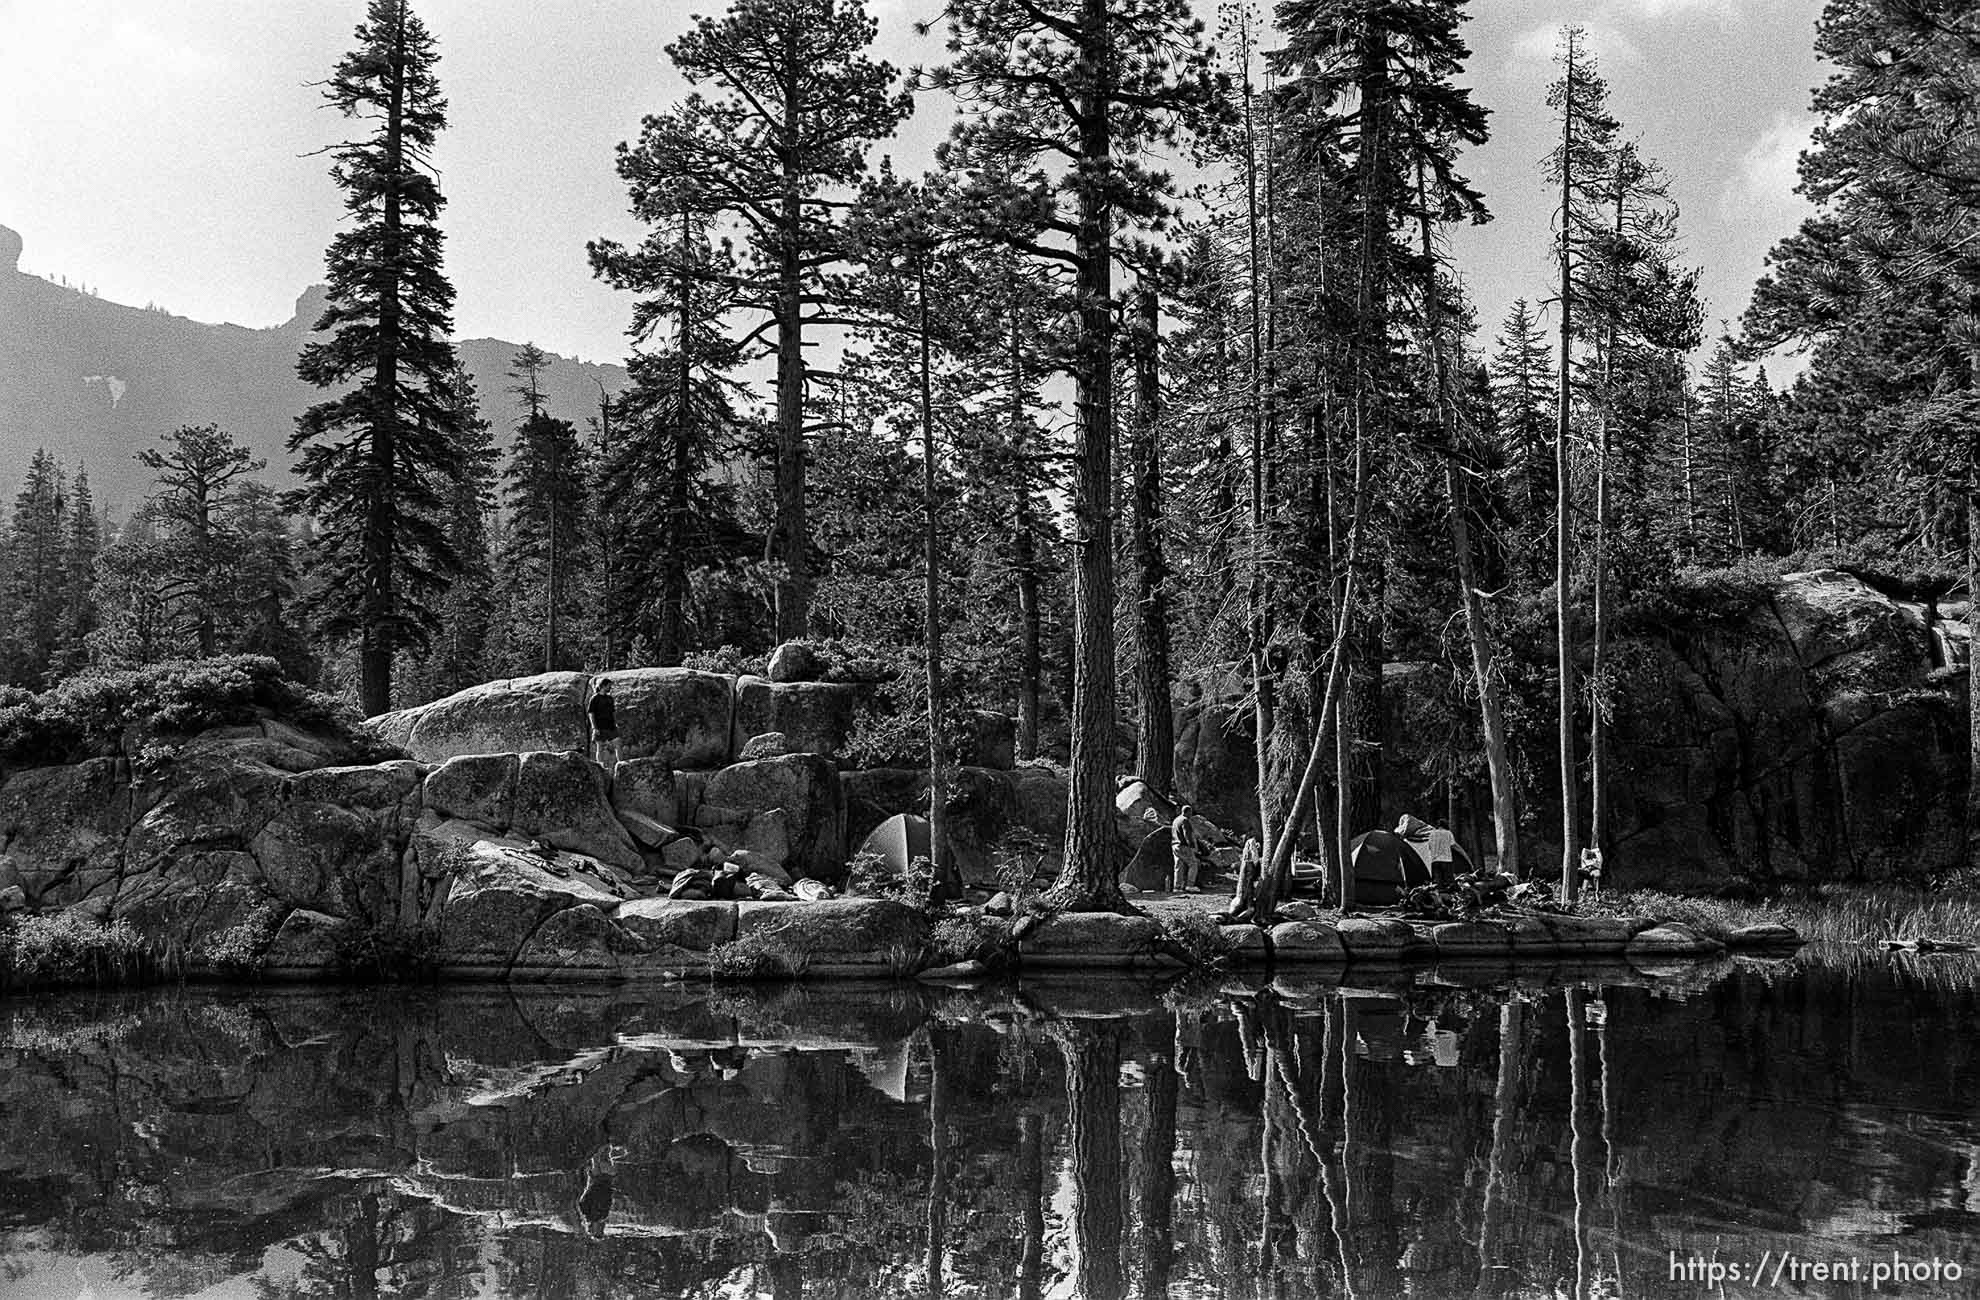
{"x": 1664, "y": 8}
{"x": 1768, "y": 171}
{"x": 1539, "y": 45}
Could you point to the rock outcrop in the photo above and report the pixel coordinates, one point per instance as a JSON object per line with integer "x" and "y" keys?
{"x": 1810, "y": 738}
{"x": 1812, "y": 734}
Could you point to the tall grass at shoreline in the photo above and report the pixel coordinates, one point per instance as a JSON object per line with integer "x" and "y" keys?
{"x": 1838, "y": 914}
{"x": 64, "y": 950}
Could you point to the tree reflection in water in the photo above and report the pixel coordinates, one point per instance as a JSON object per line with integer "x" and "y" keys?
{"x": 1063, "y": 1140}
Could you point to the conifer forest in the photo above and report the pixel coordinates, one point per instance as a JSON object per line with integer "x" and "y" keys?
{"x": 1151, "y": 398}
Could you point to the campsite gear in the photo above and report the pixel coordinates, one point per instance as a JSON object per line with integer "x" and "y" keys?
{"x": 1385, "y": 864}
{"x": 690, "y": 883}
{"x": 811, "y": 891}
{"x": 1437, "y": 847}
{"x": 768, "y": 890}
{"x": 904, "y": 837}
{"x": 1152, "y": 865}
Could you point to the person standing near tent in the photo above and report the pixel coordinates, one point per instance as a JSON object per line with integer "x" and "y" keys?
{"x": 604, "y": 727}
{"x": 1437, "y": 846}
{"x": 1186, "y": 848}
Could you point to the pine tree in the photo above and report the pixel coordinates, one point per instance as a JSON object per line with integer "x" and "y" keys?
{"x": 798, "y": 101}
{"x": 262, "y": 587}
{"x": 1577, "y": 165}
{"x": 379, "y": 460}
{"x": 1371, "y": 103}
{"x": 79, "y": 617}
{"x": 136, "y": 623}
{"x": 196, "y": 472}
{"x": 547, "y": 507}
{"x": 37, "y": 576}
{"x": 1101, "y": 83}
{"x": 1523, "y": 393}
{"x": 676, "y": 419}
{"x": 460, "y": 658}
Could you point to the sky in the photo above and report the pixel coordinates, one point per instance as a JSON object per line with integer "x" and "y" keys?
{"x": 163, "y": 151}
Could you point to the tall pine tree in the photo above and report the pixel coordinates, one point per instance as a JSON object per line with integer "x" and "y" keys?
{"x": 379, "y": 460}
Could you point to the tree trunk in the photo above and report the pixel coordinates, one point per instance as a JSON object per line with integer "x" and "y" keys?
{"x": 1328, "y": 726}
{"x": 1688, "y": 538}
{"x": 1498, "y": 763}
{"x": 1155, "y": 734}
{"x": 938, "y": 1160}
{"x": 1156, "y": 1182}
{"x": 931, "y": 558}
{"x": 1092, "y": 1050}
{"x": 1264, "y": 719}
{"x": 1031, "y": 660}
{"x": 793, "y": 589}
{"x": 1973, "y": 628}
{"x": 550, "y": 581}
{"x": 1031, "y": 1183}
{"x": 608, "y": 614}
{"x": 1563, "y": 540}
{"x": 1575, "y": 1001}
{"x": 671, "y": 640}
{"x": 1491, "y": 710}
{"x": 1598, "y": 682}
{"x": 1090, "y": 878}
{"x": 1505, "y": 1105}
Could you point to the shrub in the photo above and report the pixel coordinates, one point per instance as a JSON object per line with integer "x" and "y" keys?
{"x": 66, "y": 950}
{"x": 969, "y": 936}
{"x": 760, "y": 954}
{"x": 871, "y": 876}
{"x": 729, "y": 659}
{"x": 242, "y": 951}
{"x": 1198, "y": 939}
{"x": 95, "y": 711}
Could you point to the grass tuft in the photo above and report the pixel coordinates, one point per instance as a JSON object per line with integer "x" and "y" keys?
{"x": 67, "y": 950}
{"x": 758, "y": 955}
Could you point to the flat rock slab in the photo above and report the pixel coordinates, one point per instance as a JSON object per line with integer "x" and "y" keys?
{"x": 1376, "y": 938}
{"x": 1248, "y": 945}
{"x": 1075, "y": 939}
{"x": 1671, "y": 940}
{"x": 682, "y": 923}
{"x": 868, "y": 936}
{"x": 1586, "y": 934}
{"x": 1307, "y": 943}
{"x": 1470, "y": 939}
{"x": 1767, "y": 934}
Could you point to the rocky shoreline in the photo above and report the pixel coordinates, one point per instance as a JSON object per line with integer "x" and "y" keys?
{"x": 497, "y": 851}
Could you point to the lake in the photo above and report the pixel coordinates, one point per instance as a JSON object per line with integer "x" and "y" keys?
{"x": 1587, "y": 1132}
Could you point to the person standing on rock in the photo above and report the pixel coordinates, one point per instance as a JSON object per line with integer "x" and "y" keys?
{"x": 604, "y": 728}
{"x": 1187, "y": 851}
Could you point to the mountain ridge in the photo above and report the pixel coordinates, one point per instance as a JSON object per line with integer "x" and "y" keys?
{"x": 95, "y": 381}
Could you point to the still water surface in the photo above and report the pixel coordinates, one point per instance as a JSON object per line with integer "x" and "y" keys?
{"x": 1584, "y": 1134}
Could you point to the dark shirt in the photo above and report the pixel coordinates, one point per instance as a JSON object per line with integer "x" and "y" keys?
{"x": 602, "y": 720}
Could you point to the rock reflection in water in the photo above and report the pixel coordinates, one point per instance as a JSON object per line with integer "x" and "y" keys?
{"x": 1054, "y": 1139}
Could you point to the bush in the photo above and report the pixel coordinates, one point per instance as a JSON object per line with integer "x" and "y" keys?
{"x": 67, "y": 950}
{"x": 1198, "y": 939}
{"x": 732, "y": 660}
{"x": 95, "y": 711}
{"x": 242, "y": 951}
{"x": 870, "y": 876}
{"x": 969, "y": 936}
{"x": 757, "y": 955}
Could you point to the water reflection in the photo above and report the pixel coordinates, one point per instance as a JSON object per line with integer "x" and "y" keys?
{"x": 1442, "y": 1135}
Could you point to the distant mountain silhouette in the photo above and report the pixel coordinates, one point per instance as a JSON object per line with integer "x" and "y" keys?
{"x": 95, "y": 381}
